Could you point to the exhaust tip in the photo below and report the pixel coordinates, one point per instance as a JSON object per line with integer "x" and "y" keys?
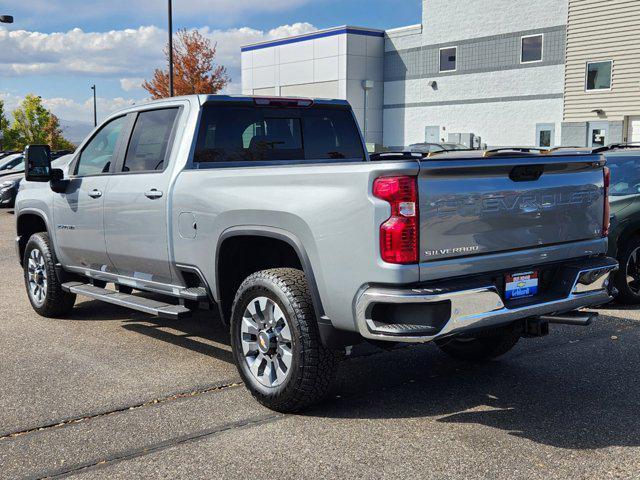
{"x": 581, "y": 319}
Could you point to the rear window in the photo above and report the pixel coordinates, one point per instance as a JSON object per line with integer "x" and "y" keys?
{"x": 254, "y": 134}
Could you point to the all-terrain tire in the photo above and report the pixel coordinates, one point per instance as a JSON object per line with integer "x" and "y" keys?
{"x": 483, "y": 345}
{"x": 53, "y": 302}
{"x": 312, "y": 368}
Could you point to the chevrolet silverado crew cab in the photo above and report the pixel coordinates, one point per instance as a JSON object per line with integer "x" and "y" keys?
{"x": 272, "y": 212}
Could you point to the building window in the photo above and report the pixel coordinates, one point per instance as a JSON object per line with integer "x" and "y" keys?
{"x": 598, "y": 137}
{"x": 545, "y": 138}
{"x": 531, "y": 50}
{"x": 598, "y": 134}
{"x": 448, "y": 59}
{"x": 545, "y": 133}
{"x": 599, "y": 75}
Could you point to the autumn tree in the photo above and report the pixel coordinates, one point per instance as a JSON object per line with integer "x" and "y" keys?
{"x": 53, "y": 135}
{"x": 194, "y": 70}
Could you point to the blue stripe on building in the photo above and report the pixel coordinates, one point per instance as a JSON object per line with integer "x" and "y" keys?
{"x": 313, "y": 36}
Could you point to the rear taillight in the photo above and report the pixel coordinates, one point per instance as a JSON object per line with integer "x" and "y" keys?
{"x": 606, "y": 221}
{"x": 399, "y": 233}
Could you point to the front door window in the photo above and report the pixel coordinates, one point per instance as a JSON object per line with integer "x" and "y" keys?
{"x": 97, "y": 156}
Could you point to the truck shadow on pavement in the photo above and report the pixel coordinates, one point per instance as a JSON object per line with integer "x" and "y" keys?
{"x": 202, "y": 333}
{"x": 576, "y": 389}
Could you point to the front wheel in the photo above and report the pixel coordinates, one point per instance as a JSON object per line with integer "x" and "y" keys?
{"x": 483, "y": 345}
{"x": 276, "y": 342}
{"x": 43, "y": 288}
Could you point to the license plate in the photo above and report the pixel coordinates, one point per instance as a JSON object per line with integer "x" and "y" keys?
{"x": 521, "y": 285}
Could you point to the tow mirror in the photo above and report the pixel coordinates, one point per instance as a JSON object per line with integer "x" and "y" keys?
{"x": 37, "y": 163}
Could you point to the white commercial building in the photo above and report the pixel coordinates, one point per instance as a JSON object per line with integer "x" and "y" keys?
{"x": 491, "y": 68}
{"x": 343, "y": 62}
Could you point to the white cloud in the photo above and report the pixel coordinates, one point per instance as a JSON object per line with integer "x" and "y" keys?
{"x": 71, "y": 110}
{"x": 10, "y": 101}
{"x": 128, "y": 54}
{"x": 76, "y": 51}
{"x": 128, "y": 84}
{"x": 229, "y": 41}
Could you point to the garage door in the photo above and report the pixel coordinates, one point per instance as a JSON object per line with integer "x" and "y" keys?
{"x": 634, "y": 129}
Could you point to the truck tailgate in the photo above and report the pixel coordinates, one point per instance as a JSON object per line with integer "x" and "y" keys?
{"x": 478, "y": 206}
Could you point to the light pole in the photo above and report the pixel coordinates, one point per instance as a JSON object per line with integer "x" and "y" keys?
{"x": 170, "y": 49}
{"x": 95, "y": 110}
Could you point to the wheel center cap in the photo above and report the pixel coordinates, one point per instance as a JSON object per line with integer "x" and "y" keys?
{"x": 266, "y": 342}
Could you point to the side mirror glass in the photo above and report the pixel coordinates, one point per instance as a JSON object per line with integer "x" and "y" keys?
{"x": 37, "y": 163}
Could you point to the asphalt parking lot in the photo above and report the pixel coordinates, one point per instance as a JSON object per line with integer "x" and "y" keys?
{"x": 110, "y": 393}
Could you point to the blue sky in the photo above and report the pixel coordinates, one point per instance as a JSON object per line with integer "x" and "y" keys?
{"x": 57, "y": 49}
{"x": 322, "y": 13}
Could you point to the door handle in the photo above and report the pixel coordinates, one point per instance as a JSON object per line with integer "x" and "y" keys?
{"x": 153, "y": 194}
{"x": 95, "y": 193}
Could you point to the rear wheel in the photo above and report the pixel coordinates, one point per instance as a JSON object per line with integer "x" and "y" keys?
{"x": 627, "y": 278}
{"x": 276, "y": 342}
{"x": 43, "y": 288}
{"x": 482, "y": 345}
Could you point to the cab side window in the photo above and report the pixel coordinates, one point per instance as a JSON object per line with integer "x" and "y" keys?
{"x": 149, "y": 145}
{"x": 98, "y": 155}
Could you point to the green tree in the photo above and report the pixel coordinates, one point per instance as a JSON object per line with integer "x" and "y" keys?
{"x": 29, "y": 121}
{"x": 34, "y": 124}
{"x": 7, "y": 140}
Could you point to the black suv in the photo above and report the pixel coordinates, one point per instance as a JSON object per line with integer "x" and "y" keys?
{"x": 624, "y": 238}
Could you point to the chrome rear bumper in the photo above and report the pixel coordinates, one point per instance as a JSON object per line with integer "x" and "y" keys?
{"x": 583, "y": 284}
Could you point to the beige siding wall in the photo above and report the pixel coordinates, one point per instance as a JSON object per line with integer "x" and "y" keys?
{"x": 603, "y": 30}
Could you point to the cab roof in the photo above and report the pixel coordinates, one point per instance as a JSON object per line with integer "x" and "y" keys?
{"x": 252, "y": 99}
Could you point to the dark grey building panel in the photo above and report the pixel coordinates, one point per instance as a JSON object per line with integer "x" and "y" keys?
{"x": 487, "y": 54}
{"x": 472, "y": 101}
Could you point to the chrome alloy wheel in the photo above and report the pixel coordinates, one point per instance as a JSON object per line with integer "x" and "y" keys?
{"x": 633, "y": 272}
{"x": 37, "y": 275}
{"x": 266, "y": 342}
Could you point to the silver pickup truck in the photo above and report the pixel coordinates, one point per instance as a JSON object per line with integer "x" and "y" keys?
{"x": 272, "y": 212}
